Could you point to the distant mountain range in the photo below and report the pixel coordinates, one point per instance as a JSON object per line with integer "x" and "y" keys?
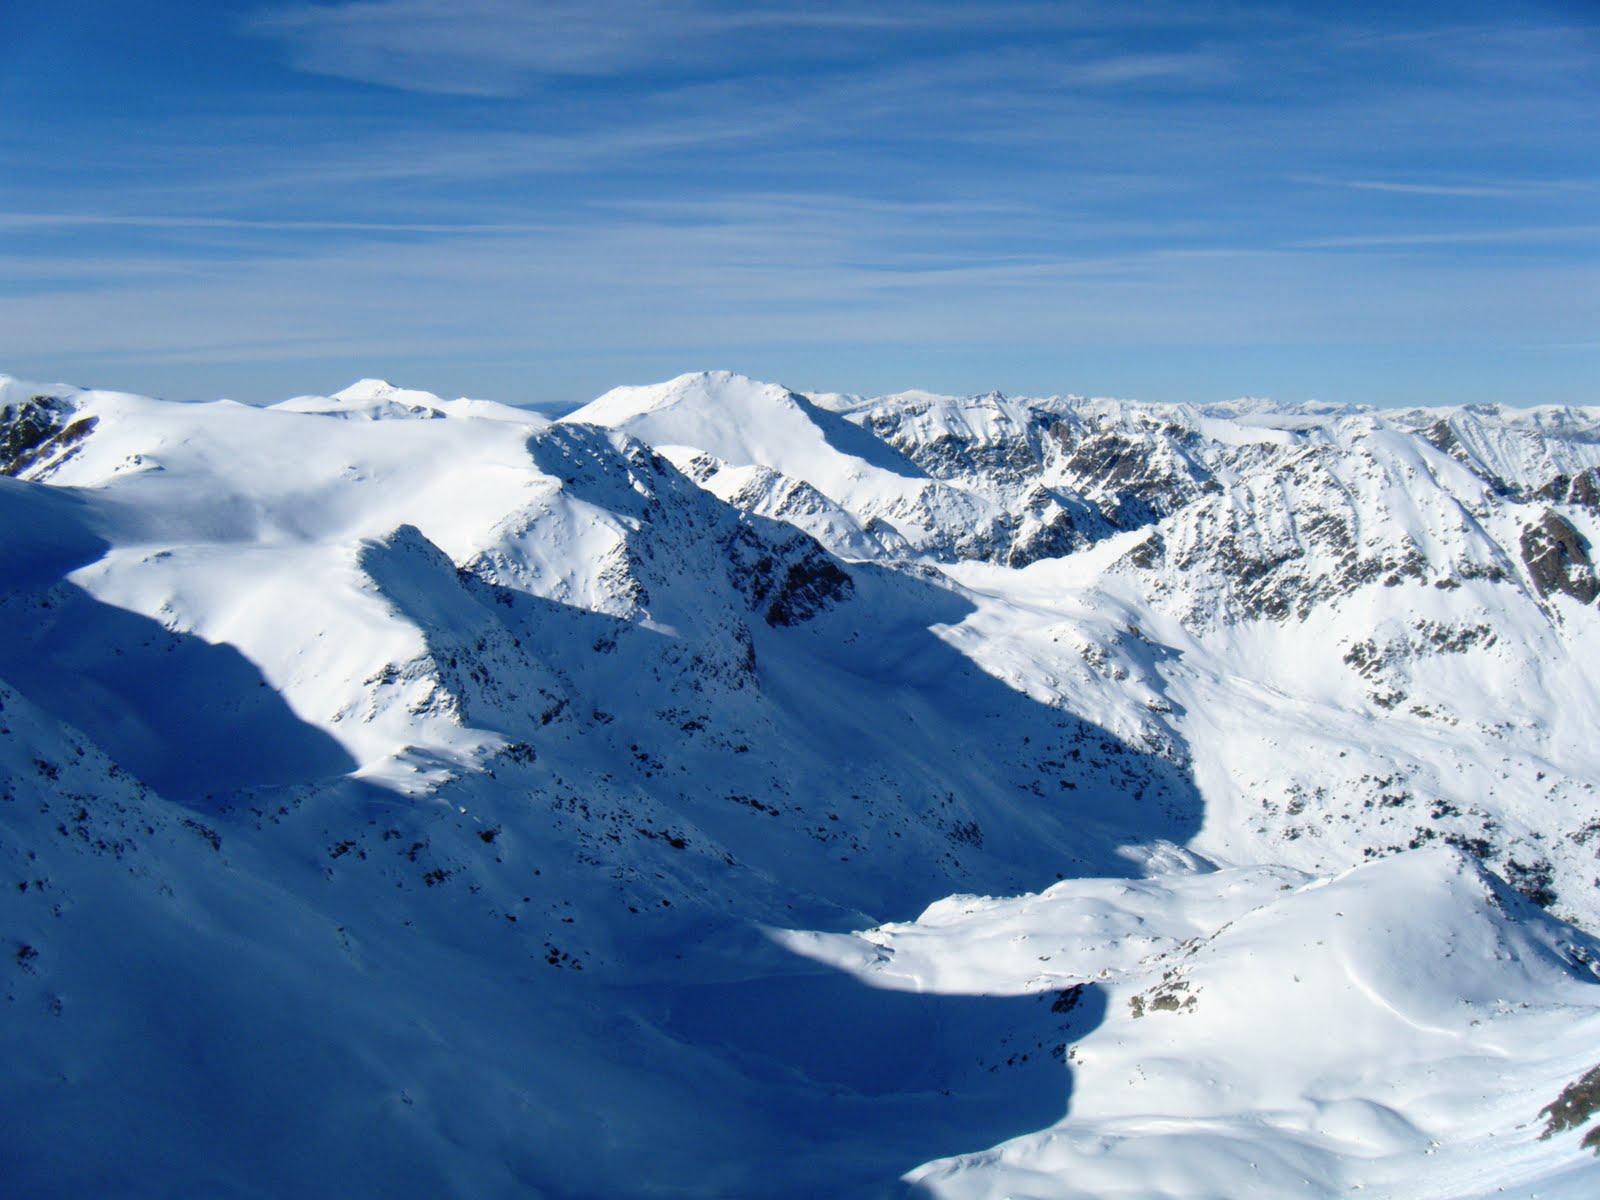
{"x": 727, "y": 792}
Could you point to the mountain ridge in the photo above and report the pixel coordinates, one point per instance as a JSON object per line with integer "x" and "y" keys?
{"x": 675, "y": 744}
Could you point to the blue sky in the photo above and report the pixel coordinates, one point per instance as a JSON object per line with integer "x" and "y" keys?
{"x": 533, "y": 202}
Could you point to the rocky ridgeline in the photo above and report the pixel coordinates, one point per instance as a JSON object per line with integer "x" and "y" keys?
{"x": 1292, "y": 513}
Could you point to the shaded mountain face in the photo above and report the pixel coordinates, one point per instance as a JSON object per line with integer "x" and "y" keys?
{"x": 547, "y": 808}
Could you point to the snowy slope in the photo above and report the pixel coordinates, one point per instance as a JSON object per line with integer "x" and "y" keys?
{"x": 1209, "y": 1069}
{"x": 408, "y": 795}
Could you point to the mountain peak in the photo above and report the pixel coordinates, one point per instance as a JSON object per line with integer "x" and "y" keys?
{"x": 367, "y": 389}
{"x": 726, "y": 390}
{"x": 373, "y": 399}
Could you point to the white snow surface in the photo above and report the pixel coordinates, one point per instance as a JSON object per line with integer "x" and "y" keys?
{"x": 726, "y": 792}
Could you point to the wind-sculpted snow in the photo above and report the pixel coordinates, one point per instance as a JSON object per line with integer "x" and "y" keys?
{"x": 407, "y": 796}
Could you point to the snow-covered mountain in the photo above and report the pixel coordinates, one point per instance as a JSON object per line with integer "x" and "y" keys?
{"x": 727, "y": 792}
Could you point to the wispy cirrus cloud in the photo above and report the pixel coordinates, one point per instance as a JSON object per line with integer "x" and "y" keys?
{"x": 78, "y": 220}
{"x": 741, "y": 280}
{"x": 481, "y": 47}
{"x": 1499, "y": 189}
{"x": 538, "y": 183}
{"x": 500, "y": 47}
{"x": 1562, "y": 234}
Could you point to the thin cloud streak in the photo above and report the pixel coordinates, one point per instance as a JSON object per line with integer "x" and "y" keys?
{"x": 737, "y": 287}
{"x": 27, "y": 221}
{"x": 1567, "y": 233}
{"x": 493, "y": 48}
{"x": 1510, "y": 189}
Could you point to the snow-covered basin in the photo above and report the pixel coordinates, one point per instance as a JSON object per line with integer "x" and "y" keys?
{"x": 1260, "y": 1032}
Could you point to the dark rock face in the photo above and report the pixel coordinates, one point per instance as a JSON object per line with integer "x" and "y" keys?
{"x": 1585, "y": 490}
{"x": 787, "y": 582}
{"x": 1260, "y": 574}
{"x": 950, "y": 457}
{"x": 1064, "y": 475}
{"x": 1557, "y": 558}
{"x": 1062, "y": 525}
{"x": 1582, "y": 490}
{"x": 1440, "y": 436}
{"x": 36, "y": 430}
{"x": 1535, "y": 880}
{"x": 1136, "y": 480}
{"x": 1381, "y": 661}
{"x": 808, "y": 587}
{"x": 1578, "y": 1101}
{"x": 1011, "y": 457}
